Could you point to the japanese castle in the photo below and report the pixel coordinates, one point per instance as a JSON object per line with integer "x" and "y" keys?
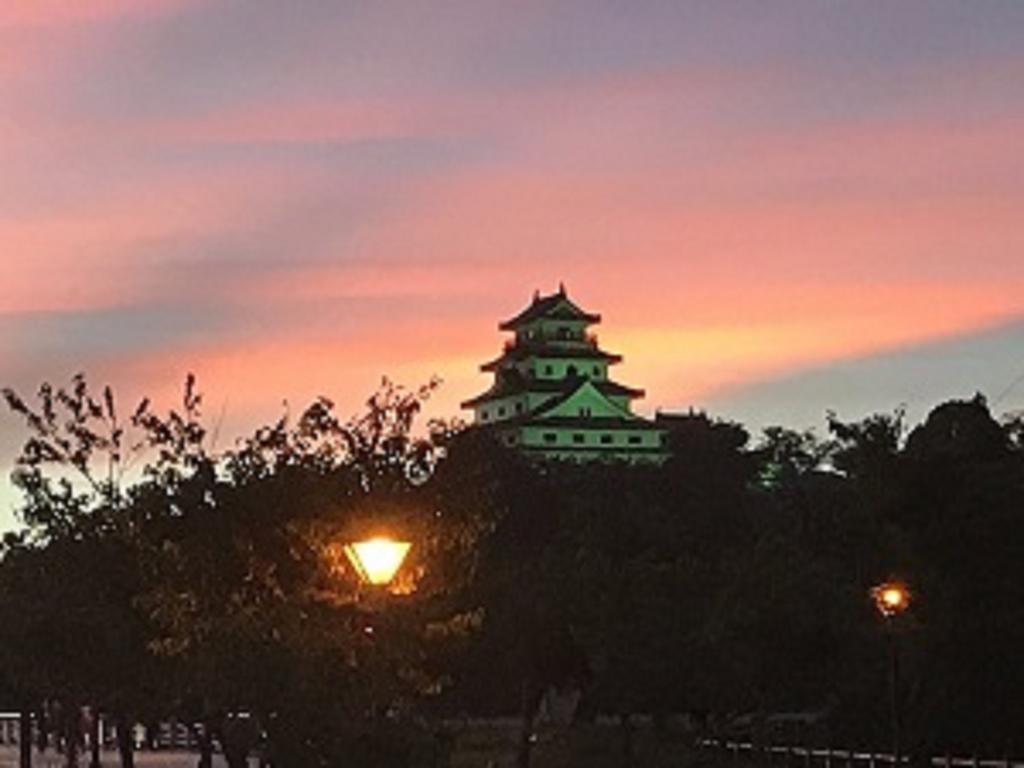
{"x": 552, "y": 397}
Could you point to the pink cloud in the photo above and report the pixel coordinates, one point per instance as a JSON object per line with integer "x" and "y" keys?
{"x": 770, "y": 252}
{"x": 294, "y": 122}
{"x": 35, "y": 13}
{"x": 717, "y": 277}
{"x": 86, "y": 252}
{"x": 376, "y": 279}
{"x": 546, "y": 115}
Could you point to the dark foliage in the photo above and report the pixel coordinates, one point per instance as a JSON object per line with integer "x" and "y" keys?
{"x": 155, "y": 578}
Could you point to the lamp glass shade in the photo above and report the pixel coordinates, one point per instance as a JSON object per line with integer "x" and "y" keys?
{"x": 377, "y": 560}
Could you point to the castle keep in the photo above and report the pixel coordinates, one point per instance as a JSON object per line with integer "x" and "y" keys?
{"x": 552, "y": 396}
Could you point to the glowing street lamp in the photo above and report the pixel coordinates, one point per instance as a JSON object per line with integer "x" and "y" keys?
{"x": 892, "y": 598}
{"x": 377, "y": 560}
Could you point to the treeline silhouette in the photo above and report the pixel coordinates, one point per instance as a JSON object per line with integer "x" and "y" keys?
{"x": 156, "y": 579}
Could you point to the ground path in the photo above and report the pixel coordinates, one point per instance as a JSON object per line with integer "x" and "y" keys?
{"x": 110, "y": 759}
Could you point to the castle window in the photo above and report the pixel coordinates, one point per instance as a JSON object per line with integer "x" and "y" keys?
{"x": 483, "y": 415}
{"x": 578, "y": 437}
{"x": 570, "y": 371}
{"x": 501, "y": 411}
{"x": 606, "y": 439}
{"x": 548, "y": 370}
{"x": 634, "y": 439}
{"x": 597, "y": 371}
{"x": 550, "y": 437}
{"x": 585, "y": 411}
{"x": 519, "y": 407}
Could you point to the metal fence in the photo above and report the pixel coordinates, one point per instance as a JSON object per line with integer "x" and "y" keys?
{"x": 809, "y": 757}
{"x": 164, "y": 735}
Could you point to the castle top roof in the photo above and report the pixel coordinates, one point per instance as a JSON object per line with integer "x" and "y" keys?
{"x": 556, "y": 306}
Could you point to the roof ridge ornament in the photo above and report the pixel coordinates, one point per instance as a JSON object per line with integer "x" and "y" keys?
{"x": 561, "y": 288}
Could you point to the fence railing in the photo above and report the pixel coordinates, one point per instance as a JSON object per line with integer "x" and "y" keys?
{"x": 809, "y": 757}
{"x": 163, "y": 735}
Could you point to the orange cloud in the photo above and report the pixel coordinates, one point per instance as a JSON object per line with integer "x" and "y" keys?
{"x": 799, "y": 326}
{"x": 247, "y": 382}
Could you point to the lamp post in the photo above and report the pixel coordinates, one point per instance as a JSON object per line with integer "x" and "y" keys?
{"x": 892, "y": 598}
{"x": 376, "y": 561}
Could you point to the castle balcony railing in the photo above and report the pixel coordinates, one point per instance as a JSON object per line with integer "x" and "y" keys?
{"x": 540, "y": 342}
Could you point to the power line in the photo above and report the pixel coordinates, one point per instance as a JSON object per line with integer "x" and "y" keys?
{"x": 1008, "y": 389}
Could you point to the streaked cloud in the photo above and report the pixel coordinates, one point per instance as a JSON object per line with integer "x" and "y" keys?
{"x": 294, "y": 199}
{"x": 48, "y": 13}
{"x": 914, "y": 377}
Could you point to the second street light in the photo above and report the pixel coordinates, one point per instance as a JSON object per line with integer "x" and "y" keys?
{"x": 892, "y": 598}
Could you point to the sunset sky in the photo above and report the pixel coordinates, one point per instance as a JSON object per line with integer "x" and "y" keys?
{"x": 778, "y": 208}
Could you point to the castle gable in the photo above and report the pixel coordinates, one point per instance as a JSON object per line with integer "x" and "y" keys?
{"x": 586, "y": 401}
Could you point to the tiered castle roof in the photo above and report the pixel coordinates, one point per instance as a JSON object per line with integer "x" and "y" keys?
{"x": 551, "y": 392}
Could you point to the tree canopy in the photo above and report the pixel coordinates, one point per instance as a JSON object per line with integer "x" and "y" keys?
{"x": 156, "y": 578}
